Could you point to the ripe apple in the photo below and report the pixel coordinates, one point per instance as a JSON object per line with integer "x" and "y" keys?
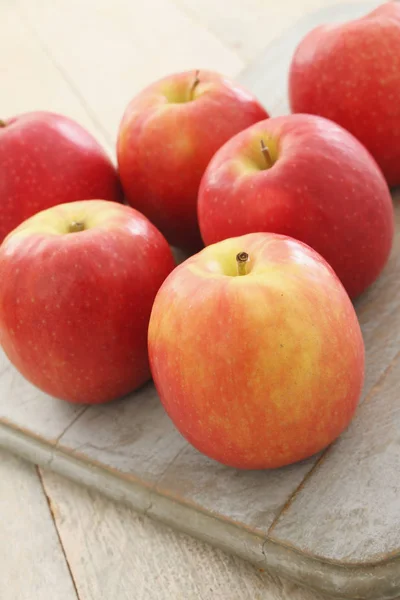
{"x": 256, "y": 351}
{"x": 305, "y": 177}
{"x": 168, "y": 134}
{"x": 48, "y": 159}
{"x": 350, "y": 73}
{"x": 77, "y": 283}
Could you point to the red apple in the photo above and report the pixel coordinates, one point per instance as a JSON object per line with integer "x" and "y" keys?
{"x": 305, "y": 177}
{"x": 167, "y": 137}
{"x": 47, "y": 159}
{"x": 351, "y": 74}
{"x": 77, "y": 283}
{"x": 256, "y": 351}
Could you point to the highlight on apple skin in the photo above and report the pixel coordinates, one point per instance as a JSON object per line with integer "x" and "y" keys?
{"x": 168, "y": 135}
{"x": 350, "y": 73}
{"x": 77, "y": 283}
{"x": 48, "y": 159}
{"x": 306, "y": 177}
{"x": 256, "y": 351}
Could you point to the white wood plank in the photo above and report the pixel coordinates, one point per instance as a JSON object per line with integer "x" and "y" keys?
{"x": 29, "y": 78}
{"x": 247, "y": 26}
{"x": 101, "y": 51}
{"x": 32, "y": 563}
{"x": 111, "y": 50}
{"x": 114, "y": 553}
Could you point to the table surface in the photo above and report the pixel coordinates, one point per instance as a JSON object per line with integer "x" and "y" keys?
{"x": 86, "y": 60}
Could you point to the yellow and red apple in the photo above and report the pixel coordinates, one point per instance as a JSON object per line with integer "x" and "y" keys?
{"x": 350, "y": 73}
{"x": 256, "y": 351}
{"x": 77, "y": 283}
{"x": 168, "y": 135}
{"x": 306, "y": 177}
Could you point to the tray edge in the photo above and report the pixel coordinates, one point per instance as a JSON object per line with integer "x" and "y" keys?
{"x": 379, "y": 581}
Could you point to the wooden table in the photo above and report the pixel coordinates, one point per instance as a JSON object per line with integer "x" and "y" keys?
{"x": 86, "y": 59}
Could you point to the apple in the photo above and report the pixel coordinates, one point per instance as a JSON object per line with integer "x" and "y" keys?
{"x": 256, "y": 351}
{"x": 350, "y": 73}
{"x": 305, "y": 177}
{"x": 48, "y": 159}
{"x": 168, "y": 135}
{"x": 77, "y": 283}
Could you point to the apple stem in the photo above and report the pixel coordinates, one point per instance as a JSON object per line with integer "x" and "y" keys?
{"x": 241, "y": 260}
{"x": 2, "y": 123}
{"x": 266, "y": 154}
{"x": 195, "y": 83}
{"x": 76, "y": 226}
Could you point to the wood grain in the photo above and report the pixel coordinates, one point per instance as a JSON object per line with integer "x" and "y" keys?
{"x": 248, "y": 27}
{"x": 250, "y": 499}
{"x": 351, "y": 504}
{"x": 347, "y": 513}
{"x": 32, "y": 564}
{"x": 30, "y": 79}
{"x": 135, "y": 437}
{"x": 120, "y": 47}
{"x": 132, "y": 435}
{"x": 131, "y": 445}
{"x": 27, "y": 408}
{"x": 115, "y": 553}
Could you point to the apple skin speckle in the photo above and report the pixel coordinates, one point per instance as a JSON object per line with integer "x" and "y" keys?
{"x": 350, "y": 73}
{"x": 48, "y": 159}
{"x": 89, "y": 323}
{"x": 260, "y": 370}
{"x": 148, "y": 143}
{"x": 324, "y": 189}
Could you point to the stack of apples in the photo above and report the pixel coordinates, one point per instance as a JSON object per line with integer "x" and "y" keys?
{"x": 253, "y": 342}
